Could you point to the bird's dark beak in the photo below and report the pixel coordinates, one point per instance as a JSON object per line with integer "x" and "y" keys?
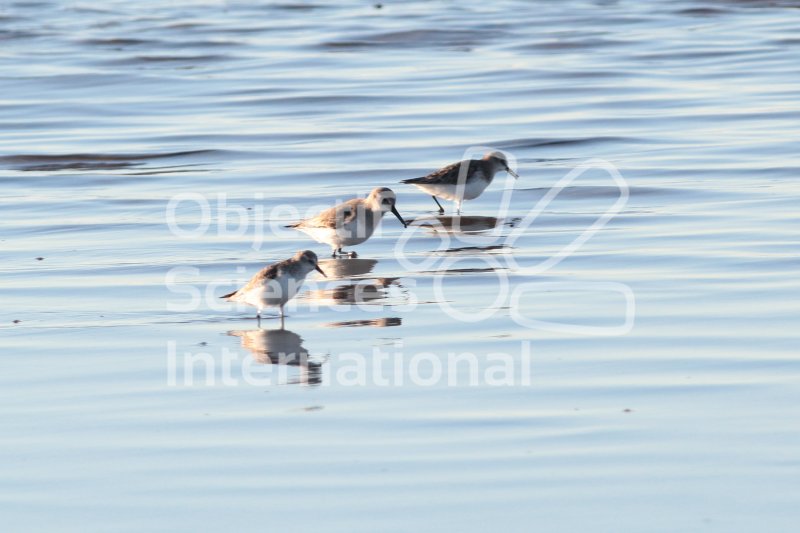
{"x": 318, "y": 269}
{"x": 397, "y": 214}
{"x": 516, "y": 176}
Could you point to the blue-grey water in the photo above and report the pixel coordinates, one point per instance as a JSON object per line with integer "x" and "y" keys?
{"x": 655, "y": 366}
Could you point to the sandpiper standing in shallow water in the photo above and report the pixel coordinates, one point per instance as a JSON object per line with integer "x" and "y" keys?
{"x": 465, "y": 180}
{"x": 351, "y": 222}
{"x": 277, "y": 283}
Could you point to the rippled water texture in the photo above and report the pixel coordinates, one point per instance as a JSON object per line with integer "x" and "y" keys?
{"x": 687, "y": 422}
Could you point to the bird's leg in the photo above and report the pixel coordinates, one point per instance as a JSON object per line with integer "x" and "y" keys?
{"x": 281, "y": 321}
{"x": 258, "y": 317}
{"x": 458, "y": 207}
{"x": 281, "y": 308}
{"x": 441, "y": 209}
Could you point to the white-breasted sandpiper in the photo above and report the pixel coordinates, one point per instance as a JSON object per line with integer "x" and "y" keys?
{"x": 276, "y": 284}
{"x": 465, "y": 180}
{"x": 352, "y": 222}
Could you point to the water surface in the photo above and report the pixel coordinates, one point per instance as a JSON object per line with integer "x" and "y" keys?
{"x": 685, "y": 423}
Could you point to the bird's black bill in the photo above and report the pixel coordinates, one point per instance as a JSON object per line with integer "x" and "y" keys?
{"x": 512, "y": 173}
{"x": 318, "y": 269}
{"x": 441, "y": 209}
{"x": 397, "y": 214}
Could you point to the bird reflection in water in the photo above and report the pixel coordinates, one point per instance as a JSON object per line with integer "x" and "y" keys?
{"x": 281, "y": 347}
{"x": 457, "y": 224}
{"x": 374, "y": 323}
{"x": 347, "y": 268}
{"x": 364, "y": 292}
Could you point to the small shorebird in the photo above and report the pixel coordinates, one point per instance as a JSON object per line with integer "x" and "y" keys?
{"x": 277, "y": 283}
{"x": 465, "y": 180}
{"x": 351, "y": 222}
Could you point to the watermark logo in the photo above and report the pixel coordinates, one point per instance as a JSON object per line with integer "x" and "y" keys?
{"x": 274, "y": 360}
{"x": 509, "y": 295}
{"x": 515, "y": 280}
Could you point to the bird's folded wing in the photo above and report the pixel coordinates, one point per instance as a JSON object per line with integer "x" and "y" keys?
{"x": 267, "y": 273}
{"x": 328, "y": 218}
{"x": 445, "y": 175}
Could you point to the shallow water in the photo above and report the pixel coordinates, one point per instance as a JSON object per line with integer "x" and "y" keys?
{"x": 656, "y": 364}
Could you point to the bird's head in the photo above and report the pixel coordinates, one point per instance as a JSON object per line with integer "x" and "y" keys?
{"x": 384, "y": 199}
{"x": 500, "y": 162}
{"x": 308, "y": 260}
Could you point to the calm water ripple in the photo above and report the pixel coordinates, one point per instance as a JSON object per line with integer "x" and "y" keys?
{"x": 686, "y": 423}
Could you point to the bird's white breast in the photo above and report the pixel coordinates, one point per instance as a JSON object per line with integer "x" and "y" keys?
{"x": 450, "y": 191}
{"x": 273, "y": 292}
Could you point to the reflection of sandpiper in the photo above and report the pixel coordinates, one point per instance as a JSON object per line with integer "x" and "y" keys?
{"x": 371, "y": 322}
{"x": 353, "y": 268}
{"x": 465, "y": 180}
{"x": 277, "y": 283}
{"x": 461, "y": 224}
{"x": 351, "y": 222}
{"x": 280, "y": 347}
{"x": 364, "y": 292}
